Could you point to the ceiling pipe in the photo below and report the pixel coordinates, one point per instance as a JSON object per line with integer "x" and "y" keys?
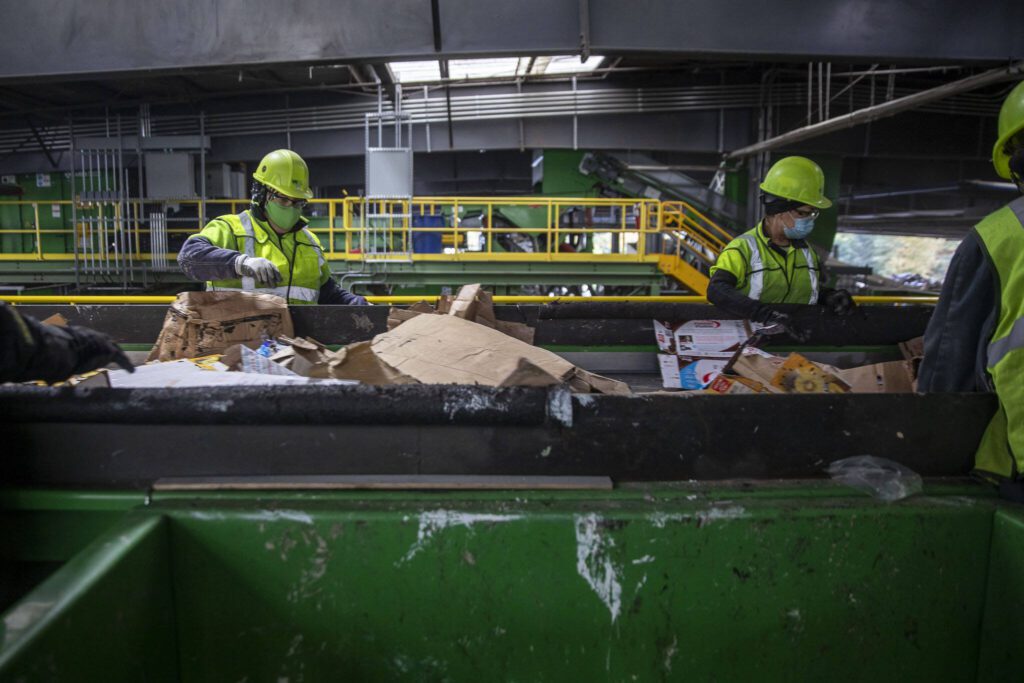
{"x": 879, "y": 111}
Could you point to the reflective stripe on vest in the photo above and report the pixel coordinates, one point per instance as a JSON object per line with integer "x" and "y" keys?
{"x": 315, "y": 244}
{"x": 812, "y": 273}
{"x": 997, "y": 350}
{"x": 756, "y": 268}
{"x": 248, "y": 283}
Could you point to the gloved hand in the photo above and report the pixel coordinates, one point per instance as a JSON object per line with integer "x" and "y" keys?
{"x": 93, "y": 350}
{"x": 260, "y": 269}
{"x": 788, "y": 325}
{"x": 839, "y": 302}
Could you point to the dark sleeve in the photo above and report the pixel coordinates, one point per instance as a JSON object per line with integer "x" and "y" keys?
{"x": 956, "y": 340}
{"x": 30, "y": 350}
{"x": 723, "y": 294}
{"x": 332, "y": 293}
{"x": 201, "y": 260}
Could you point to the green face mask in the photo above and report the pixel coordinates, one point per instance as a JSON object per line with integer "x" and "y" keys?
{"x": 284, "y": 217}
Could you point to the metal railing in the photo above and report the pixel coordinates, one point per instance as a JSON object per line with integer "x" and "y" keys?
{"x": 430, "y": 228}
{"x": 39, "y": 299}
{"x": 694, "y": 237}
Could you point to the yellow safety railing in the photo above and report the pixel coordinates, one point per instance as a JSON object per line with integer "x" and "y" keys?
{"x": 692, "y": 232}
{"x": 402, "y": 300}
{"x": 426, "y": 228}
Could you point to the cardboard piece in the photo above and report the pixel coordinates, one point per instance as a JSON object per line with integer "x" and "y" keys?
{"x": 472, "y": 303}
{"x": 913, "y": 352}
{"x": 436, "y": 349}
{"x": 202, "y": 323}
{"x": 599, "y": 384}
{"x": 758, "y": 366}
{"x": 468, "y": 301}
{"x": 702, "y": 337}
{"x": 309, "y": 358}
{"x": 526, "y": 374}
{"x": 446, "y": 349}
{"x": 690, "y": 372}
{"x": 56, "y": 319}
{"x": 797, "y": 375}
{"x": 729, "y": 384}
{"x": 476, "y": 304}
{"x": 894, "y": 377}
{"x": 397, "y": 316}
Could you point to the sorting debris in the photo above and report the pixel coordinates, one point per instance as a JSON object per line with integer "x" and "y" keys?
{"x": 204, "y": 323}
{"x": 216, "y": 338}
{"x": 880, "y": 477}
{"x": 695, "y": 352}
{"x": 461, "y": 343}
{"x": 721, "y": 357}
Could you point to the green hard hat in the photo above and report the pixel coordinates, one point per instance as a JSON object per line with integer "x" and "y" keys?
{"x": 1011, "y": 122}
{"x": 799, "y": 179}
{"x": 284, "y": 171}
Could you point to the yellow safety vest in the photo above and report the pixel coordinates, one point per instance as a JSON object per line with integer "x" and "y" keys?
{"x": 301, "y": 271}
{"x": 1001, "y": 452}
{"x": 765, "y": 275}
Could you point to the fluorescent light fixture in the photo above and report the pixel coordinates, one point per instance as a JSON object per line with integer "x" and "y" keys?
{"x": 473, "y": 69}
{"x": 565, "y": 64}
{"x": 495, "y": 67}
{"x": 416, "y": 72}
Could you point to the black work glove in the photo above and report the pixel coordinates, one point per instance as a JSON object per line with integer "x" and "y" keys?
{"x": 71, "y": 350}
{"x": 796, "y": 331}
{"x": 94, "y": 349}
{"x": 839, "y": 301}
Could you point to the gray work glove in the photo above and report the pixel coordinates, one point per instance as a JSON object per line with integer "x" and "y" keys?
{"x": 260, "y": 269}
{"x": 839, "y": 302}
{"x": 791, "y": 327}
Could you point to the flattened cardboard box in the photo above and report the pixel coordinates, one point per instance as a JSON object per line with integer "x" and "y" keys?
{"x": 204, "y": 323}
{"x": 310, "y": 358}
{"x": 894, "y": 377}
{"x": 472, "y": 303}
{"x": 444, "y": 349}
{"x": 436, "y": 349}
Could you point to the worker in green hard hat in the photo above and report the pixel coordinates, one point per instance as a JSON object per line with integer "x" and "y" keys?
{"x": 975, "y": 338}
{"x": 267, "y": 248}
{"x": 773, "y": 263}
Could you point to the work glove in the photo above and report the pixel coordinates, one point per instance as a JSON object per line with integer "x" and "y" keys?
{"x": 785, "y": 323}
{"x": 93, "y": 350}
{"x": 839, "y": 302}
{"x": 260, "y": 269}
{"x": 60, "y": 352}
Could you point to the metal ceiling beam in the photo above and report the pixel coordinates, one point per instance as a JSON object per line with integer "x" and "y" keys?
{"x": 879, "y": 111}
{"x": 384, "y": 78}
{"x": 55, "y": 39}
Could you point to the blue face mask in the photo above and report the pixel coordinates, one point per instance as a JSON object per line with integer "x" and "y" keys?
{"x": 800, "y": 230}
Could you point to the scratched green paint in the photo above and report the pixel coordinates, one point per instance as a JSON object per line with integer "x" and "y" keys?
{"x": 644, "y": 583}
